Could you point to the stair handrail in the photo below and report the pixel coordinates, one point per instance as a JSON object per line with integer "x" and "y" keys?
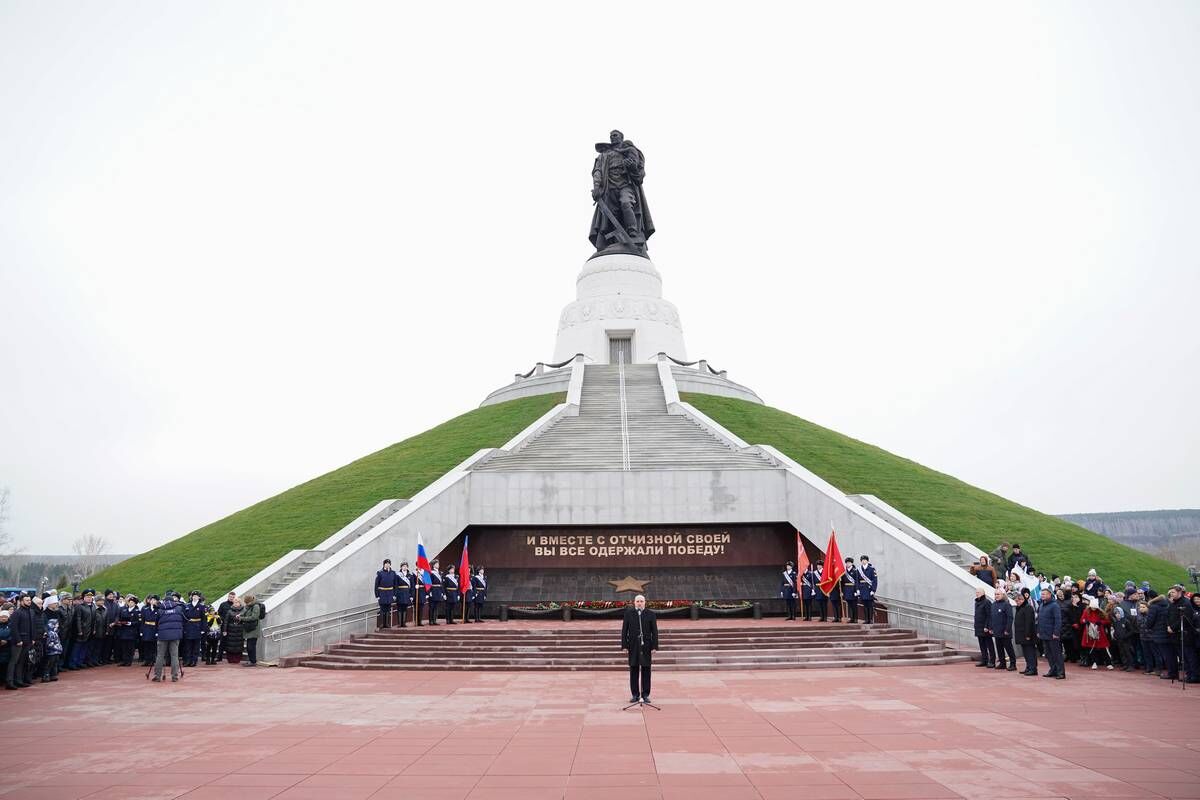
{"x": 624, "y": 410}
{"x": 703, "y": 362}
{"x": 520, "y": 376}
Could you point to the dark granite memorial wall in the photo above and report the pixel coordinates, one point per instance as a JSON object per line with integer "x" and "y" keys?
{"x": 689, "y": 562}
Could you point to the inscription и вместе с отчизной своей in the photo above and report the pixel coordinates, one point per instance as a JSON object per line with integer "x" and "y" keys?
{"x": 725, "y": 546}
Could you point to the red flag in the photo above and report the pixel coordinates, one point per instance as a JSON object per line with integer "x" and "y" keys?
{"x": 464, "y": 571}
{"x": 801, "y": 555}
{"x": 834, "y": 569}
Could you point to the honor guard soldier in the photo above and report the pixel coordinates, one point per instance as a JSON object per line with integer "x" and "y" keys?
{"x": 436, "y": 595}
{"x": 404, "y": 591}
{"x": 808, "y": 589}
{"x": 787, "y": 589}
{"x": 835, "y": 602}
{"x": 128, "y": 618}
{"x": 385, "y": 593}
{"x": 450, "y": 586}
{"x": 193, "y": 628}
{"x": 149, "y": 632}
{"x": 478, "y": 593}
{"x": 868, "y": 583}
{"x": 849, "y": 589}
{"x": 821, "y": 599}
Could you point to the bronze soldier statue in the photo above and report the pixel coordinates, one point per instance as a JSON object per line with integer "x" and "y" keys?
{"x": 621, "y": 222}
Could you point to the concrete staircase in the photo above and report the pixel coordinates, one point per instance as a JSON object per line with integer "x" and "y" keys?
{"x": 593, "y": 440}
{"x": 304, "y": 565}
{"x": 689, "y": 646}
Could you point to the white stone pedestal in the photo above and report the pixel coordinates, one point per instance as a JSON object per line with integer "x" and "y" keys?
{"x": 619, "y": 296}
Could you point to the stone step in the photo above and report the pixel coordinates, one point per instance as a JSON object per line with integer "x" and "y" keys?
{"x": 684, "y": 646}
{"x": 319, "y": 662}
{"x": 368, "y": 646}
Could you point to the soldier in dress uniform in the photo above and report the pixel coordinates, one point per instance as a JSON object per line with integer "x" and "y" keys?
{"x": 787, "y": 589}
{"x": 819, "y": 596}
{"x": 809, "y": 590}
{"x": 149, "y": 631}
{"x": 193, "y": 628}
{"x": 385, "y": 593}
{"x": 849, "y": 589}
{"x": 405, "y": 582}
{"x": 128, "y": 618}
{"x": 868, "y": 583}
{"x": 450, "y": 586}
{"x": 478, "y": 593}
{"x": 436, "y": 595}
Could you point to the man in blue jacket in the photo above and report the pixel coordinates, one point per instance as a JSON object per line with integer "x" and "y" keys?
{"x": 170, "y": 631}
{"x": 1049, "y": 624}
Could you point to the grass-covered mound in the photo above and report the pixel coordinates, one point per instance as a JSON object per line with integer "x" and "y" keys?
{"x": 222, "y": 554}
{"x": 956, "y": 511}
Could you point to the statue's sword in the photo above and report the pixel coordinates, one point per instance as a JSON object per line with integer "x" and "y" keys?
{"x": 618, "y": 230}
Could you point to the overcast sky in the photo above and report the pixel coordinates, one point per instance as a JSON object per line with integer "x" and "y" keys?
{"x": 243, "y": 244}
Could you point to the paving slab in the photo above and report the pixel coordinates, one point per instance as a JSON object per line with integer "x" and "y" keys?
{"x": 890, "y": 733}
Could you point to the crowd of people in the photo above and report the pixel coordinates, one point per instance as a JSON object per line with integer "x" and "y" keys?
{"x": 1084, "y": 622}
{"x": 44, "y": 635}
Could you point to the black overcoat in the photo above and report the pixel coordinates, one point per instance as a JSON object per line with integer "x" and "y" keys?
{"x": 630, "y": 639}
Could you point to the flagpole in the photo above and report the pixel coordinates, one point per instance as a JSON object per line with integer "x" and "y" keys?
{"x": 464, "y": 576}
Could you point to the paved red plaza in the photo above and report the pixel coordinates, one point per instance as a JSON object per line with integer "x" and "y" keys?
{"x": 902, "y": 732}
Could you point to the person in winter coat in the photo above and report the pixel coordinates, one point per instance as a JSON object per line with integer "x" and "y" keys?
{"x": 1124, "y": 632}
{"x": 1093, "y": 585}
{"x": 251, "y": 617}
{"x": 66, "y": 630}
{"x": 39, "y": 639}
{"x": 1175, "y": 606}
{"x": 1049, "y": 631}
{"x": 1000, "y": 626}
{"x": 1191, "y": 638}
{"x": 983, "y": 612}
{"x": 193, "y": 628}
{"x": 82, "y": 623}
{"x": 1072, "y": 611}
{"x": 20, "y": 642}
{"x": 108, "y": 645}
{"x": 234, "y": 635}
{"x": 984, "y": 572}
{"x": 170, "y": 633}
{"x": 1145, "y": 639}
{"x": 5, "y": 644}
{"x": 128, "y": 618}
{"x": 1156, "y": 622}
{"x": 1025, "y": 633}
{"x": 52, "y": 613}
{"x": 1093, "y": 635}
{"x": 212, "y": 637}
{"x": 1019, "y": 559}
{"x": 96, "y": 645}
{"x": 148, "y": 631}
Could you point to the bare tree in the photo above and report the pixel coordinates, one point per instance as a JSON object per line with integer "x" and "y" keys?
{"x": 89, "y": 548}
{"x": 6, "y": 545}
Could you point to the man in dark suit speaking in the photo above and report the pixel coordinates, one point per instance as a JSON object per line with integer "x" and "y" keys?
{"x": 639, "y": 635}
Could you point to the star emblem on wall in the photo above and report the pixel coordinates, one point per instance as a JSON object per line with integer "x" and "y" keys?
{"x": 630, "y": 584}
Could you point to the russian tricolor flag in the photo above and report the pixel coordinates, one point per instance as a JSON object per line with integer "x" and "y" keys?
{"x": 423, "y": 564}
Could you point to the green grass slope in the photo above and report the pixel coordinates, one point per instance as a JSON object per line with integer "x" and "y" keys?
{"x": 220, "y": 555}
{"x": 956, "y": 511}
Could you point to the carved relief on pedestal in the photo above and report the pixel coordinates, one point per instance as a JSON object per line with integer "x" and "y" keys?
{"x": 619, "y": 308}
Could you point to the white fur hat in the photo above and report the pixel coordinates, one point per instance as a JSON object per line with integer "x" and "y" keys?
{"x": 50, "y": 600}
